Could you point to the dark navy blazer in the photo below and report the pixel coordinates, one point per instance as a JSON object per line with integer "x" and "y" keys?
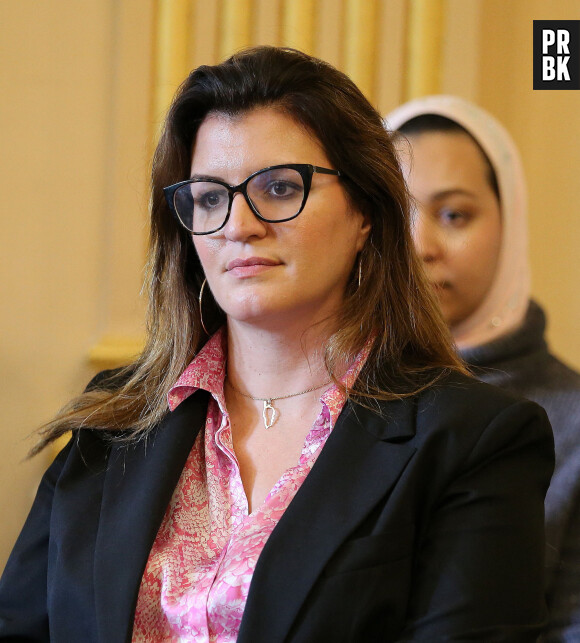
{"x": 423, "y": 523}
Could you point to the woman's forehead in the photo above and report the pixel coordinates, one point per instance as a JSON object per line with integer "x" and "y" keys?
{"x": 252, "y": 140}
{"x": 448, "y": 157}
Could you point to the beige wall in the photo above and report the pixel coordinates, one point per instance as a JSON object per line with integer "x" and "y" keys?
{"x": 83, "y": 84}
{"x": 74, "y": 117}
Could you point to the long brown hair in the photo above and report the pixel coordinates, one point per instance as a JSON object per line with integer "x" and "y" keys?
{"x": 411, "y": 348}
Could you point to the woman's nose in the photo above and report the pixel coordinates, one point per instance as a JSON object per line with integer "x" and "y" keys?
{"x": 243, "y": 223}
{"x": 426, "y": 237}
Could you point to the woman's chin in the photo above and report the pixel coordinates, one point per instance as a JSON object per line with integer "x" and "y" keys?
{"x": 273, "y": 315}
{"x": 255, "y": 313}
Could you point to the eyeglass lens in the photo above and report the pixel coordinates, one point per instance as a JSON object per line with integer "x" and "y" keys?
{"x": 276, "y": 194}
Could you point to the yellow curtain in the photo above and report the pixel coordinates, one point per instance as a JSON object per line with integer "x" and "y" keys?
{"x": 354, "y": 35}
{"x": 425, "y": 36}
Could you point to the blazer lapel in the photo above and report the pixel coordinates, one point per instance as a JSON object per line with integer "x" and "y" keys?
{"x": 139, "y": 483}
{"x": 360, "y": 463}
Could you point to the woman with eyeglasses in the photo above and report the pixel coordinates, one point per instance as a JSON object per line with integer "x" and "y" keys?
{"x": 298, "y": 454}
{"x": 470, "y": 231}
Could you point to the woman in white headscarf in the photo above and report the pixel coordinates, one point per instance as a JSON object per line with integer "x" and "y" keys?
{"x": 470, "y": 230}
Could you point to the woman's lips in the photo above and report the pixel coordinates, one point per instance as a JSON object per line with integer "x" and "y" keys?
{"x": 251, "y": 266}
{"x": 440, "y": 286}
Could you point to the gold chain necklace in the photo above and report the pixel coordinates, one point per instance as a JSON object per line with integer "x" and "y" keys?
{"x": 269, "y": 413}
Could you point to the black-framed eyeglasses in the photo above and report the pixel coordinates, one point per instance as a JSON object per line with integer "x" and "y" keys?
{"x": 274, "y": 194}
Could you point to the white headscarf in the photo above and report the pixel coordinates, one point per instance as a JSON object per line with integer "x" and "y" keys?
{"x": 504, "y": 306}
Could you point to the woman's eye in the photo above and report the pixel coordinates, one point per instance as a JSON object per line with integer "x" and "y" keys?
{"x": 453, "y": 217}
{"x": 209, "y": 200}
{"x": 281, "y": 189}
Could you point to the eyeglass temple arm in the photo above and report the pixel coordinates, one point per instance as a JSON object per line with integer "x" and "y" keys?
{"x": 325, "y": 170}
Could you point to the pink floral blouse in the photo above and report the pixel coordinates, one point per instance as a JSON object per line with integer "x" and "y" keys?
{"x": 198, "y": 575}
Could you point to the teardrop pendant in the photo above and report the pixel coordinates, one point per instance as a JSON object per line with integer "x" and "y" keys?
{"x": 269, "y": 418}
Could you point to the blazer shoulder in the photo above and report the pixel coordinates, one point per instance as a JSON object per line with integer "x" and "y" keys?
{"x": 467, "y": 412}
{"x": 463, "y": 393}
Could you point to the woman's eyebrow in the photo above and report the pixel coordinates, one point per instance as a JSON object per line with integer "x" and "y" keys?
{"x": 443, "y": 194}
{"x": 205, "y": 177}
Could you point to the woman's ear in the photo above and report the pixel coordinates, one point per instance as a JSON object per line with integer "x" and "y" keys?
{"x": 364, "y": 230}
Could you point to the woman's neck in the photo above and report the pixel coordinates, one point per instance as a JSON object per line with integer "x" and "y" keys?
{"x": 263, "y": 363}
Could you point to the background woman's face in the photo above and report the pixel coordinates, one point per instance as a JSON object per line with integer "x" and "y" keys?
{"x": 270, "y": 274}
{"x": 457, "y": 224}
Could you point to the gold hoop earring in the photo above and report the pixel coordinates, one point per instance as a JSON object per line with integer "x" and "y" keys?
{"x": 359, "y": 269}
{"x": 199, "y": 300}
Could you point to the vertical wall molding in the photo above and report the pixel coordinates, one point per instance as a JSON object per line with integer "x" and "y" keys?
{"x": 298, "y": 24}
{"x": 389, "y": 64}
{"x": 171, "y": 50}
{"x": 266, "y": 21}
{"x": 424, "y": 49}
{"x": 360, "y": 43}
{"x": 236, "y": 29}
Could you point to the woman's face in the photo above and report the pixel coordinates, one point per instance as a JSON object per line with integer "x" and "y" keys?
{"x": 457, "y": 224}
{"x": 271, "y": 274}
